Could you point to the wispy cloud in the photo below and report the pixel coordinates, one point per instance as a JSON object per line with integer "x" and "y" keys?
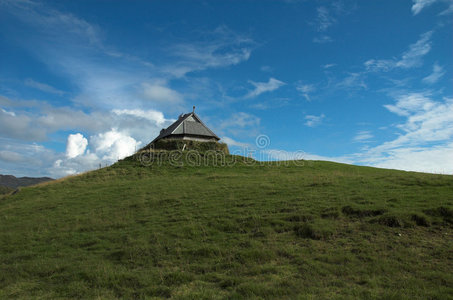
{"x": 324, "y": 19}
{"x": 43, "y": 87}
{"x": 305, "y": 89}
{"x": 106, "y": 78}
{"x": 437, "y": 73}
{"x": 353, "y": 81}
{"x": 376, "y": 65}
{"x": 263, "y": 87}
{"x": 327, "y": 16}
{"x": 409, "y": 59}
{"x": 54, "y": 23}
{"x": 408, "y": 104}
{"x": 412, "y": 57}
{"x": 363, "y": 136}
{"x": 419, "y": 5}
{"x": 328, "y": 66}
{"x": 224, "y": 48}
{"x": 313, "y": 120}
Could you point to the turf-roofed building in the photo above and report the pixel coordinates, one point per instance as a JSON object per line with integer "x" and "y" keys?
{"x": 188, "y": 127}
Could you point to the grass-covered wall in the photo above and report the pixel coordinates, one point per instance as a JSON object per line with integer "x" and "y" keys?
{"x": 178, "y": 144}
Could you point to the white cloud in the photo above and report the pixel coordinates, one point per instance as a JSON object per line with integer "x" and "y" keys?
{"x": 115, "y": 88}
{"x": 305, "y": 89}
{"x": 36, "y": 120}
{"x": 82, "y": 163}
{"x": 43, "y": 87}
{"x": 312, "y": 120}
{"x": 263, "y": 87}
{"x": 113, "y": 145}
{"x": 419, "y": 5}
{"x": 436, "y": 159}
{"x": 150, "y": 115}
{"x": 25, "y": 159}
{"x": 103, "y": 149}
{"x": 410, "y": 103}
{"x": 363, "y": 136}
{"x": 437, "y": 73}
{"x": 424, "y": 142}
{"x": 76, "y": 145}
{"x": 328, "y": 66}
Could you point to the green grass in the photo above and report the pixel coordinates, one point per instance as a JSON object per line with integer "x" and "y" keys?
{"x": 319, "y": 231}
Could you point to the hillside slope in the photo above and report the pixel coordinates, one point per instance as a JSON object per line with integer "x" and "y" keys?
{"x": 321, "y": 230}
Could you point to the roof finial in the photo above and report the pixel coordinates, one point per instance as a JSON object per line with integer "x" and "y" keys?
{"x": 193, "y": 110}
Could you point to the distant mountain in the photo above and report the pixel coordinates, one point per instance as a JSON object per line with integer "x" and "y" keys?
{"x": 15, "y": 182}
{"x": 5, "y": 190}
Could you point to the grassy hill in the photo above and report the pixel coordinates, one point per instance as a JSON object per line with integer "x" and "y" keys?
{"x": 321, "y": 230}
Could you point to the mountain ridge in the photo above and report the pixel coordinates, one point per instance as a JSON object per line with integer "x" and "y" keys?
{"x": 14, "y": 182}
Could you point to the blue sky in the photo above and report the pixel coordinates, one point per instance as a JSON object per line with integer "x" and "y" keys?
{"x": 361, "y": 82}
